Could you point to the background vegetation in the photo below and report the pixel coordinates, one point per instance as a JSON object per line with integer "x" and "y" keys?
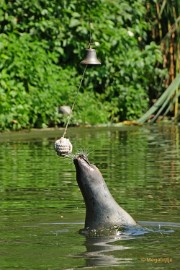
{"x": 42, "y": 43}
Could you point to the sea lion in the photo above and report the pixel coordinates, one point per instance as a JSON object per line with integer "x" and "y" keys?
{"x": 102, "y": 211}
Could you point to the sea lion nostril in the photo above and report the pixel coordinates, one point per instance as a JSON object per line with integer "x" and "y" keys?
{"x": 84, "y": 157}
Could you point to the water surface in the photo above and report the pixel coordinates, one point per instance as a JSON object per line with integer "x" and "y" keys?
{"x": 42, "y": 210}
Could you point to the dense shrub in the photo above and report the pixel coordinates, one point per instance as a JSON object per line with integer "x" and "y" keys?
{"x": 31, "y": 84}
{"x": 41, "y": 45}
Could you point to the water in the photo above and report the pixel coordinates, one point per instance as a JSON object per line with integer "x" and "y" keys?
{"x": 42, "y": 211}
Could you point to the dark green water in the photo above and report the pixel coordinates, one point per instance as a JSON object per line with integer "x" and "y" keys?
{"x": 41, "y": 207}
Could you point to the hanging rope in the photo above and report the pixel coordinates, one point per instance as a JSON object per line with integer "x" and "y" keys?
{"x": 75, "y": 99}
{"x": 63, "y": 145}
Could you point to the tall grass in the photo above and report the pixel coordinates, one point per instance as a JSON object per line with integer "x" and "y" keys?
{"x": 165, "y": 29}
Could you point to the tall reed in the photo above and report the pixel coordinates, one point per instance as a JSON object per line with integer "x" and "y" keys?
{"x": 165, "y": 30}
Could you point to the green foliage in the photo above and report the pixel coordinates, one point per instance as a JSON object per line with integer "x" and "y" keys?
{"x": 42, "y": 43}
{"x": 89, "y": 110}
{"x": 31, "y": 84}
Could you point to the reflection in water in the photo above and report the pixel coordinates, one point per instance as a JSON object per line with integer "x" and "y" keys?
{"x": 110, "y": 251}
{"x": 100, "y": 252}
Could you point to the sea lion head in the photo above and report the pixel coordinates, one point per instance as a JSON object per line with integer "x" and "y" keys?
{"x": 88, "y": 175}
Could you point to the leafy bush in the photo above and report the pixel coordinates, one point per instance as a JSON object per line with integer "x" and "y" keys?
{"x": 42, "y": 43}
{"x": 32, "y": 86}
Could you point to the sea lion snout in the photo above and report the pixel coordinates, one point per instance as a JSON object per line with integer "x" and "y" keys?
{"x": 81, "y": 161}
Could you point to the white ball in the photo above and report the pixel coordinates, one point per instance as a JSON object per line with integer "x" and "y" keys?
{"x": 63, "y": 146}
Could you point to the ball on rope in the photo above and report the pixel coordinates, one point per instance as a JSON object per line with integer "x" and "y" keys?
{"x": 63, "y": 146}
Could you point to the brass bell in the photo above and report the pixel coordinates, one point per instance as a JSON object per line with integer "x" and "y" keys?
{"x": 91, "y": 58}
